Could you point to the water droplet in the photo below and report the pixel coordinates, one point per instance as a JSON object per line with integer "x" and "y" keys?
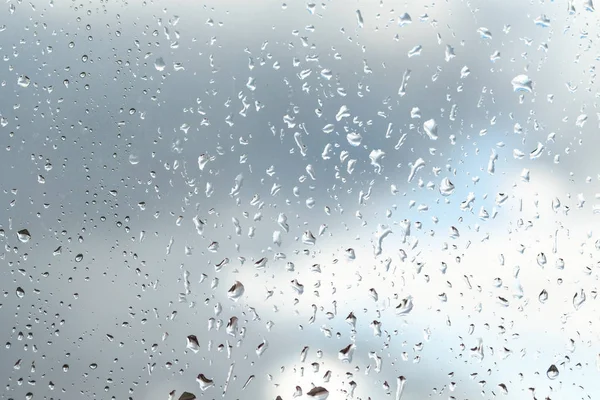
{"x": 20, "y": 292}
{"x": 431, "y": 129}
{"x": 552, "y": 372}
{"x": 485, "y": 33}
{"x": 236, "y": 291}
{"x": 359, "y": 19}
{"x": 405, "y": 306}
{"x": 415, "y": 51}
{"x": 446, "y": 187}
{"x": 262, "y": 347}
{"x": 23, "y": 81}
{"x": 400, "y": 383}
{"x": 354, "y": 139}
{"x": 543, "y": 297}
{"x": 308, "y": 238}
{"x": 404, "y": 19}
{"x": 159, "y": 64}
{"x": 345, "y": 354}
{"x": 192, "y": 343}
{"x": 522, "y": 83}
{"x": 343, "y": 112}
{"x": 24, "y": 235}
{"x": 350, "y": 254}
{"x": 134, "y": 159}
{"x": 542, "y": 21}
{"x": 541, "y": 259}
{"x": 261, "y": 263}
{"x": 579, "y": 299}
{"x": 297, "y": 286}
{"x": 204, "y": 382}
{"x": 250, "y": 378}
{"x": 318, "y": 393}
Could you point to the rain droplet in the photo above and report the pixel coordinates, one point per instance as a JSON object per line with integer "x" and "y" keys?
{"x": 446, "y": 187}
{"x": 431, "y": 129}
{"x": 552, "y": 372}
{"x": 579, "y": 299}
{"x": 308, "y": 238}
{"x": 236, "y": 291}
{"x": 159, "y": 64}
{"x": 192, "y": 343}
{"x": 541, "y": 259}
{"x": 345, "y": 354}
{"x": 415, "y": 51}
{"x": 23, "y": 81}
{"x": 354, "y": 139}
{"x": 318, "y": 393}
{"x": 485, "y": 33}
{"x": 204, "y": 382}
{"x": 262, "y": 348}
{"x": 522, "y": 83}
{"x": 405, "y": 306}
{"x": 24, "y": 235}
{"x": 404, "y": 19}
{"x": 203, "y": 159}
{"x": 134, "y": 159}
{"x": 400, "y": 383}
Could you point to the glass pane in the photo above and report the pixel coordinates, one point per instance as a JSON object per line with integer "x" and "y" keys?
{"x": 238, "y": 199}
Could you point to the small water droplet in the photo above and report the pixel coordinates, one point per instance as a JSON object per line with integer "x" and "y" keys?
{"x": 405, "y": 306}
{"x": 204, "y": 382}
{"x": 522, "y": 83}
{"x": 431, "y": 129}
{"x": 23, "y": 81}
{"x": 552, "y": 372}
{"x": 159, "y": 64}
{"x": 354, "y": 139}
{"x": 318, "y": 393}
{"x": 446, "y": 187}
{"x": 236, "y": 291}
{"x": 192, "y": 343}
{"x": 24, "y": 235}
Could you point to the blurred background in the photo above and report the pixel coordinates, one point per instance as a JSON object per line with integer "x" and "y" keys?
{"x": 318, "y": 200}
